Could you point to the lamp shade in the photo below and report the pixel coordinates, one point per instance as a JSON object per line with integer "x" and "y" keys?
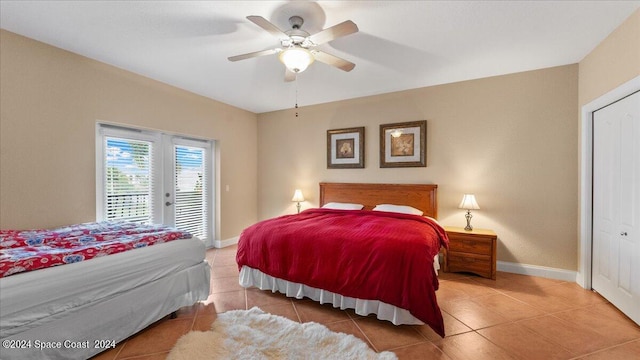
{"x": 296, "y": 59}
{"x": 297, "y": 196}
{"x": 469, "y": 202}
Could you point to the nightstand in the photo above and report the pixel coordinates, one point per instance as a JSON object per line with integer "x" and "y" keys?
{"x": 471, "y": 251}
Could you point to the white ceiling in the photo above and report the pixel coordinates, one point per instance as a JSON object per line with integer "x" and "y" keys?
{"x": 401, "y": 44}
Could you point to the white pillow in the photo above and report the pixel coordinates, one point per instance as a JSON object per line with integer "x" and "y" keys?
{"x": 342, "y": 206}
{"x": 403, "y": 209}
{"x": 434, "y": 220}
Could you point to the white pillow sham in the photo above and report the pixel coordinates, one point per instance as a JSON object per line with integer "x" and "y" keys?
{"x": 342, "y": 206}
{"x": 403, "y": 209}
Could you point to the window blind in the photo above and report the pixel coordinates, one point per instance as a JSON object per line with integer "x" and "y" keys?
{"x": 191, "y": 190}
{"x": 128, "y": 180}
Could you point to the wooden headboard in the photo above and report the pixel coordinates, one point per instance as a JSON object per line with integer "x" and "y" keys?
{"x": 419, "y": 196}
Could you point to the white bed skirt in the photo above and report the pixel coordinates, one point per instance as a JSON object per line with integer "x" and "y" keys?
{"x": 252, "y": 277}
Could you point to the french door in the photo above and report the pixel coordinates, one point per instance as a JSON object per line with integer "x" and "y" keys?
{"x": 154, "y": 178}
{"x": 188, "y": 177}
{"x": 616, "y": 204}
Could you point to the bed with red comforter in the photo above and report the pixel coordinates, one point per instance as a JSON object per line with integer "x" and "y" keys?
{"x": 370, "y": 255}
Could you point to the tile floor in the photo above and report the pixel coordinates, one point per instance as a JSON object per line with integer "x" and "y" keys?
{"x": 513, "y": 317}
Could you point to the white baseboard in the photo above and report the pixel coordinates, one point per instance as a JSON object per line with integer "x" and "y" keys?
{"x": 219, "y": 244}
{"x": 535, "y": 270}
{"x": 581, "y": 282}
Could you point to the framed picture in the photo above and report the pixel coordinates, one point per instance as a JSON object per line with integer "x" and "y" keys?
{"x": 403, "y": 144}
{"x": 345, "y": 148}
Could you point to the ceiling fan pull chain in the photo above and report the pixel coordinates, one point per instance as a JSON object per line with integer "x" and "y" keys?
{"x": 296, "y": 80}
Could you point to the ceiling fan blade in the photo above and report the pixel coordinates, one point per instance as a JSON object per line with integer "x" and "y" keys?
{"x": 289, "y": 75}
{"x": 333, "y": 60}
{"x": 267, "y": 25}
{"x": 334, "y": 32}
{"x": 253, "y": 54}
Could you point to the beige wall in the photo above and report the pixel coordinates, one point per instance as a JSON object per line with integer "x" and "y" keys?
{"x": 50, "y": 100}
{"x": 512, "y": 140}
{"x": 612, "y": 63}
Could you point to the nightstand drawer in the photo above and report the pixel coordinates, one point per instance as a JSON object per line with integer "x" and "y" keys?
{"x": 469, "y": 262}
{"x": 470, "y": 244}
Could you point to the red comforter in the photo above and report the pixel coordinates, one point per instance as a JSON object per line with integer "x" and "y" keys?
{"x": 368, "y": 255}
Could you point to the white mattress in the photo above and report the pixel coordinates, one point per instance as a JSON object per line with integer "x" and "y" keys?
{"x": 253, "y": 277}
{"x": 106, "y": 298}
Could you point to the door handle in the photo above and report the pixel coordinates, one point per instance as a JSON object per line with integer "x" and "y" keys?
{"x": 168, "y": 203}
{"x": 623, "y": 233}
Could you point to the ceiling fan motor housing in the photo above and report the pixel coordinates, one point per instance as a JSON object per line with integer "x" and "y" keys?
{"x": 296, "y": 35}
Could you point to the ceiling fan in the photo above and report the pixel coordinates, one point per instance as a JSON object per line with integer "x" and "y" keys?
{"x": 297, "y": 50}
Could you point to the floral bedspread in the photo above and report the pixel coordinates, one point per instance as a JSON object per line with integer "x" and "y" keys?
{"x": 27, "y": 250}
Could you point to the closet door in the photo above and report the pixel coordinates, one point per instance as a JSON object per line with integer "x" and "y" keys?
{"x": 616, "y": 204}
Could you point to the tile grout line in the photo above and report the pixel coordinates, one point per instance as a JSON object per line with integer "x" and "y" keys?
{"x": 363, "y": 333}
{"x": 530, "y": 330}
{"x": 295, "y": 310}
{"x": 605, "y": 349}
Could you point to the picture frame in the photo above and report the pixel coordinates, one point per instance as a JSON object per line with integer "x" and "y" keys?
{"x": 345, "y": 148}
{"x": 403, "y": 144}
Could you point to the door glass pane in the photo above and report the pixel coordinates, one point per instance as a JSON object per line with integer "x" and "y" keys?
{"x": 191, "y": 190}
{"x": 128, "y": 180}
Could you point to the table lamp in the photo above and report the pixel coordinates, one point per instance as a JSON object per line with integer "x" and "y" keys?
{"x": 469, "y": 203}
{"x": 298, "y": 198}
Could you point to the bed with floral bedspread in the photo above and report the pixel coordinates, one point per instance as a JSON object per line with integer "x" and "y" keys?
{"x": 27, "y": 250}
{"x": 93, "y": 284}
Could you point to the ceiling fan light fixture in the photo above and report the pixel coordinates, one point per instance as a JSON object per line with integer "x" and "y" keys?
{"x": 296, "y": 59}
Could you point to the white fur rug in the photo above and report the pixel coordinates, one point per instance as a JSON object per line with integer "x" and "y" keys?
{"x": 254, "y": 334}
